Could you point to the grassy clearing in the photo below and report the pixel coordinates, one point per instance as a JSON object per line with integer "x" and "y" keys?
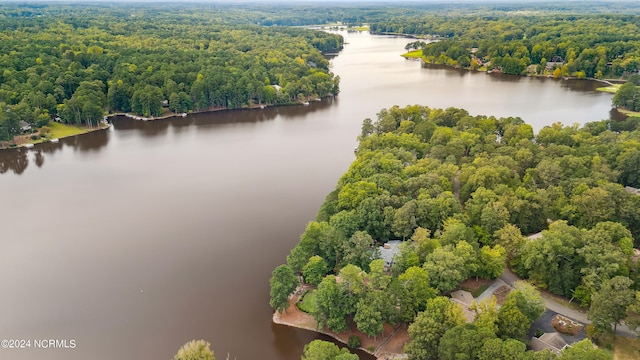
{"x": 56, "y": 131}
{"x": 624, "y": 348}
{"x": 59, "y": 130}
{"x": 415, "y": 54}
{"x": 359, "y": 28}
{"x": 629, "y": 112}
{"x": 480, "y": 290}
{"x": 476, "y": 291}
{"x": 610, "y": 89}
{"x": 308, "y": 302}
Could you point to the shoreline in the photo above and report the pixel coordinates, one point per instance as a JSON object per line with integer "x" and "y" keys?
{"x": 488, "y": 72}
{"x": 210, "y": 110}
{"x": 384, "y": 347}
{"x": 30, "y": 144}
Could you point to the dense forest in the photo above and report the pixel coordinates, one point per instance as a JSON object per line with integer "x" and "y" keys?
{"x": 560, "y": 44}
{"x": 77, "y": 62}
{"x": 628, "y": 95}
{"x": 462, "y": 192}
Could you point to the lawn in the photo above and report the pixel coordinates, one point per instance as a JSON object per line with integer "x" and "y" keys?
{"x": 629, "y": 112}
{"x": 59, "y": 130}
{"x": 610, "y": 89}
{"x": 359, "y": 28}
{"x": 308, "y": 302}
{"x": 415, "y": 54}
{"x": 624, "y": 348}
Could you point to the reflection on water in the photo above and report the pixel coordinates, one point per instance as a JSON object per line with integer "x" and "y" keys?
{"x": 17, "y": 159}
{"x": 614, "y": 114}
{"x": 39, "y": 158}
{"x": 14, "y": 160}
{"x": 160, "y": 127}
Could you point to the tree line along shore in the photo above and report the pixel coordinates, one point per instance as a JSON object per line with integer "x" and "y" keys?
{"x": 76, "y": 63}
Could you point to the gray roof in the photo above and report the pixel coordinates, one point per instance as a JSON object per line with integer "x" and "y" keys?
{"x": 535, "y": 236}
{"x": 464, "y": 297}
{"x": 632, "y": 190}
{"x": 552, "y": 341}
{"x": 389, "y": 251}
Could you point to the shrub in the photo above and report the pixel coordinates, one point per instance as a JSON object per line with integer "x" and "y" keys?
{"x": 354, "y": 342}
{"x": 34, "y": 137}
{"x": 593, "y": 334}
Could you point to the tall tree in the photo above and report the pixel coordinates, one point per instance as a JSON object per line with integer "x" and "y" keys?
{"x": 498, "y": 349}
{"x": 462, "y": 343}
{"x": 415, "y": 282}
{"x": 610, "y": 304}
{"x": 359, "y": 250}
{"x": 491, "y": 262}
{"x": 369, "y": 316}
{"x": 429, "y": 326}
{"x": 528, "y": 300}
{"x": 332, "y": 305}
{"x": 446, "y": 269}
{"x": 512, "y": 323}
{"x": 283, "y": 282}
{"x": 315, "y": 269}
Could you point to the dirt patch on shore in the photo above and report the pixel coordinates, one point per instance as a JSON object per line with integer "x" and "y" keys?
{"x": 390, "y": 345}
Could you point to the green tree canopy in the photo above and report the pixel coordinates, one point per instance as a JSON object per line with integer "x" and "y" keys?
{"x": 324, "y": 350}
{"x": 283, "y": 282}
{"x": 195, "y": 350}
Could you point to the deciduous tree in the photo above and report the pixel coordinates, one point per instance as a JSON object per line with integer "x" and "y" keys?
{"x": 195, "y": 350}
{"x": 324, "y": 350}
{"x": 283, "y": 282}
{"x": 610, "y": 304}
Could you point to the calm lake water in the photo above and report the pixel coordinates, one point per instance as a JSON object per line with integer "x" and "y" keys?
{"x": 133, "y": 240}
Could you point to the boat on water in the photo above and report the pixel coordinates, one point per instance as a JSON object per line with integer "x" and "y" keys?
{"x": 54, "y": 140}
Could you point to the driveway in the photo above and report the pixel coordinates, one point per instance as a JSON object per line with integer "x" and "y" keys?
{"x": 509, "y": 278}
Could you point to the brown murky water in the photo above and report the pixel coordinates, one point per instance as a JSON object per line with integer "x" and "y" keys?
{"x": 132, "y": 241}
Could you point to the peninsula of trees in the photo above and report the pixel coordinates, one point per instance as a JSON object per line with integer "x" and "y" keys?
{"x": 78, "y": 62}
{"x": 462, "y": 192}
{"x": 582, "y": 45}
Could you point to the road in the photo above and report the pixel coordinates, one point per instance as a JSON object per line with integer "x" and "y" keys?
{"x": 509, "y": 278}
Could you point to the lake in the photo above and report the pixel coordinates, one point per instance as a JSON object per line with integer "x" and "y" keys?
{"x": 133, "y": 240}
